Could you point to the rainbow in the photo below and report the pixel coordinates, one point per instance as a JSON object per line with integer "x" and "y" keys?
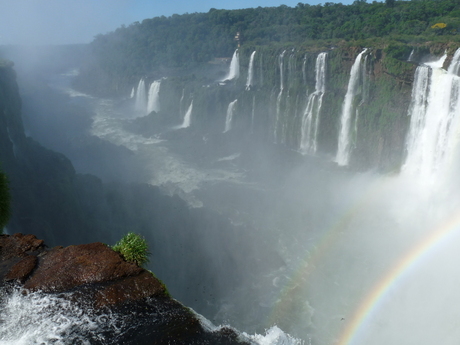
{"x": 320, "y": 249}
{"x": 374, "y": 299}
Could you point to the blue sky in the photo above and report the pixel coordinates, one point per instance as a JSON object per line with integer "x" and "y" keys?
{"x": 78, "y": 21}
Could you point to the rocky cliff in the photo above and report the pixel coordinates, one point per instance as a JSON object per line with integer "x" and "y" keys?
{"x": 273, "y": 108}
{"x": 98, "y": 280}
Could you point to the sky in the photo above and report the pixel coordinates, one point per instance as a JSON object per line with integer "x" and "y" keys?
{"x": 43, "y": 22}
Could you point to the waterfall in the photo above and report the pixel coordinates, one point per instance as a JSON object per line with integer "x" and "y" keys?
{"x": 434, "y": 110}
{"x": 228, "y": 119}
{"x": 187, "y": 117}
{"x": 454, "y": 67}
{"x": 347, "y": 116}
{"x": 250, "y": 71}
{"x": 292, "y": 69}
{"x": 132, "y": 93}
{"x": 280, "y": 94}
{"x": 154, "y": 97}
{"x": 409, "y": 59}
{"x": 181, "y": 103}
{"x": 234, "y": 71}
{"x": 304, "y": 70}
{"x": 141, "y": 97}
{"x": 310, "y": 119}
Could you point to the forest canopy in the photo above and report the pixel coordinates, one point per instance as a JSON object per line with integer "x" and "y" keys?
{"x": 183, "y": 41}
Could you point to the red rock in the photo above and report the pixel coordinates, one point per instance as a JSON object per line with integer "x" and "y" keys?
{"x": 21, "y": 270}
{"x": 62, "y": 269}
{"x": 129, "y": 289}
{"x": 19, "y": 245}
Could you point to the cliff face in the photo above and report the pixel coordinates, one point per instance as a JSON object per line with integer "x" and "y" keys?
{"x": 97, "y": 278}
{"x": 44, "y": 186}
{"x": 273, "y": 108}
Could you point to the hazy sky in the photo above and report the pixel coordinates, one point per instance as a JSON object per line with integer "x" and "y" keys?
{"x": 78, "y": 21}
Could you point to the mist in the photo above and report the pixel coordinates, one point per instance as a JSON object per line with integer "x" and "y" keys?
{"x": 231, "y": 171}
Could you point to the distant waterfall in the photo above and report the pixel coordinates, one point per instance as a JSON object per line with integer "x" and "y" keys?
{"x": 280, "y": 94}
{"x": 348, "y": 112}
{"x": 132, "y": 93}
{"x": 292, "y": 69}
{"x": 229, "y": 118}
{"x": 154, "y": 97}
{"x": 181, "y": 103}
{"x": 454, "y": 67}
{"x": 141, "y": 97}
{"x": 434, "y": 112}
{"x": 234, "y": 71}
{"x": 249, "y": 81}
{"x": 188, "y": 117}
{"x": 409, "y": 59}
{"x": 310, "y": 119}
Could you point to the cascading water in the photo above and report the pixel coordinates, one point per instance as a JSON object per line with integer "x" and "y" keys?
{"x": 310, "y": 120}
{"x": 411, "y": 55}
{"x": 234, "y": 71}
{"x": 132, "y": 93}
{"x": 181, "y": 103}
{"x": 38, "y": 318}
{"x": 349, "y": 112}
{"x": 141, "y": 97}
{"x": 364, "y": 95}
{"x": 187, "y": 117}
{"x": 249, "y": 81}
{"x": 153, "y": 103}
{"x": 454, "y": 67}
{"x": 434, "y": 110}
{"x": 229, "y": 118}
{"x": 280, "y": 95}
{"x": 292, "y": 68}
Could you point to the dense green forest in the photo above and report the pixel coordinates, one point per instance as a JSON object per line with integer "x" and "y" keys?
{"x": 161, "y": 44}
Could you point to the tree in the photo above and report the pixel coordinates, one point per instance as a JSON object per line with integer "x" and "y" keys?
{"x": 390, "y": 3}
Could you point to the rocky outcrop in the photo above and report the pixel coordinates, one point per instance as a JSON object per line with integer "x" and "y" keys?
{"x": 98, "y": 278}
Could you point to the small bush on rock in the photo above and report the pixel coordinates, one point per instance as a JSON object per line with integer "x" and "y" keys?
{"x": 133, "y": 248}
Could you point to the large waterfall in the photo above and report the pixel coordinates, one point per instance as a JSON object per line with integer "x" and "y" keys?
{"x": 141, "y": 97}
{"x": 310, "y": 119}
{"x": 434, "y": 109}
{"x": 249, "y": 81}
{"x": 349, "y": 112}
{"x": 153, "y": 103}
{"x": 234, "y": 71}
{"x": 229, "y": 118}
{"x": 280, "y": 95}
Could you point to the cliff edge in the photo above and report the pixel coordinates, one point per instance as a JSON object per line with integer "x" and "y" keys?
{"x": 95, "y": 276}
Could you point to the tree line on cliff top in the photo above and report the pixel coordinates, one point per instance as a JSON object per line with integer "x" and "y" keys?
{"x": 189, "y": 39}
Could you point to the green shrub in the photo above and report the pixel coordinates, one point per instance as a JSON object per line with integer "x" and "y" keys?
{"x": 133, "y": 248}
{"x": 4, "y": 201}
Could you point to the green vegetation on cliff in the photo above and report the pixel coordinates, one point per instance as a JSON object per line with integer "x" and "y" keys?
{"x": 133, "y": 248}
{"x": 158, "y": 45}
